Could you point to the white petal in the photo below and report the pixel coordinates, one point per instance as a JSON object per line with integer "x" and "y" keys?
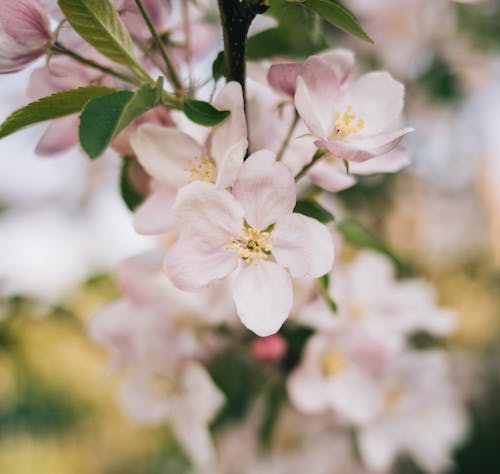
{"x": 194, "y": 261}
{"x": 210, "y": 211}
{"x": 316, "y": 96}
{"x": 229, "y": 165}
{"x": 165, "y": 153}
{"x": 377, "y": 98}
{"x": 303, "y": 245}
{"x": 341, "y": 61}
{"x": 330, "y": 177}
{"x": 233, "y": 129}
{"x": 307, "y": 391}
{"x": 388, "y": 163}
{"x": 265, "y": 189}
{"x": 263, "y": 296}
{"x": 154, "y": 215}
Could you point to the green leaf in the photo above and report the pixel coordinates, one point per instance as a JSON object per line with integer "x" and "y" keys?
{"x": 218, "y": 66}
{"x": 203, "y": 113}
{"x": 338, "y": 16}
{"x": 105, "y": 117}
{"x": 129, "y": 193}
{"x": 98, "y": 23}
{"x": 51, "y": 107}
{"x": 358, "y": 236}
{"x": 312, "y": 209}
{"x": 284, "y": 40}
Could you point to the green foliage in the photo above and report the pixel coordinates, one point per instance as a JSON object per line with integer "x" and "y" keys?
{"x": 274, "y": 399}
{"x": 311, "y": 208}
{"x": 358, "y": 236}
{"x": 203, "y": 113}
{"x": 441, "y": 81}
{"x": 130, "y": 195}
{"x": 98, "y": 23}
{"x": 285, "y": 40}
{"x": 105, "y": 117}
{"x": 338, "y": 16}
{"x": 218, "y": 66}
{"x": 51, "y": 107}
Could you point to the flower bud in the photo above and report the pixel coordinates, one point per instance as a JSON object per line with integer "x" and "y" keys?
{"x": 269, "y": 349}
{"x": 24, "y": 33}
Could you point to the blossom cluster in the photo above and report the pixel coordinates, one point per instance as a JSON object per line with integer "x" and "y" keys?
{"x": 238, "y": 261}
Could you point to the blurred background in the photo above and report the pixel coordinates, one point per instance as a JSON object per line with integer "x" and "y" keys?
{"x": 64, "y": 226}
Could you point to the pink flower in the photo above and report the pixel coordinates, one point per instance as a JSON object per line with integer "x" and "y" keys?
{"x": 24, "y": 33}
{"x": 270, "y": 348}
{"x": 253, "y": 234}
{"x": 175, "y": 159}
{"x": 422, "y": 416}
{"x": 340, "y": 372}
{"x": 353, "y": 121}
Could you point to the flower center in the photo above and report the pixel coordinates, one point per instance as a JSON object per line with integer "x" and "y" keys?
{"x": 332, "y": 363}
{"x": 252, "y": 244}
{"x": 345, "y": 124}
{"x": 201, "y": 169}
{"x": 392, "y": 398}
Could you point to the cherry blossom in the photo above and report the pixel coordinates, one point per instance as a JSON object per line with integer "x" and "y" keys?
{"x": 253, "y": 234}
{"x": 24, "y": 33}
{"x": 174, "y": 159}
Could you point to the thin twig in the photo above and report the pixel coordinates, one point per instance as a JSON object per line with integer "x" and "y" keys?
{"x": 317, "y": 156}
{"x": 59, "y": 48}
{"x": 172, "y": 73}
{"x": 288, "y": 137}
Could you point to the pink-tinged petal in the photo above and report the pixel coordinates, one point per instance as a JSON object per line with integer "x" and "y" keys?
{"x": 166, "y": 153}
{"x": 61, "y": 134}
{"x": 212, "y": 212}
{"x": 197, "y": 441}
{"x": 228, "y": 167}
{"x": 341, "y": 61}
{"x": 330, "y": 177}
{"x": 154, "y": 215}
{"x": 234, "y": 128}
{"x": 303, "y": 245}
{"x": 355, "y": 395}
{"x": 283, "y": 77}
{"x": 364, "y": 148}
{"x": 316, "y": 96}
{"x": 202, "y": 397}
{"x": 265, "y": 188}
{"x": 377, "y": 98}
{"x": 306, "y": 389}
{"x": 263, "y": 296}
{"x": 194, "y": 261}
{"x": 139, "y": 397}
{"x": 390, "y": 162}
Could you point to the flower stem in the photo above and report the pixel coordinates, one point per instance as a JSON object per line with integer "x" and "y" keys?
{"x": 320, "y": 153}
{"x": 288, "y": 137}
{"x": 61, "y": 49}
{"x": 172, "y": 73}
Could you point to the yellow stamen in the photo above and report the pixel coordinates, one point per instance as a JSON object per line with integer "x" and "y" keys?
{"x": 251, "y": 245}
{"x": 392, "y": 398}
{"x": 345, "y": 124}
{"x": 332, "y": 363}
{"x": 201, "y": 169}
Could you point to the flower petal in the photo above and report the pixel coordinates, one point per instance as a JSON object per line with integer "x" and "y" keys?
{"x": 316, "y": 95}
{"x": 234, "y": 128}
{"x": 330, "y": 177}
{"x": 341, "y": 61}
{"x": 283, "y": 77}
{"x": 263, "y": 296}
{"x": 61, "y": 134}
{"x": 193, "y": 261}
{"x": 377, "y": 98}
{"x": 387, "y": 163}
{"x": 265, "y": 188}
{"x": 165, "y": 153}
{"x": 154, "y": 216}
{"x": 303, "y": 245}
{"x": 229, "y": 166}
{"x": 213, "y": 213}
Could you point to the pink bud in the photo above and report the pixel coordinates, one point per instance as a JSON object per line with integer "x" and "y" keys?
{"x": 269, "y": 349}
{"x": 24, "y": 33}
